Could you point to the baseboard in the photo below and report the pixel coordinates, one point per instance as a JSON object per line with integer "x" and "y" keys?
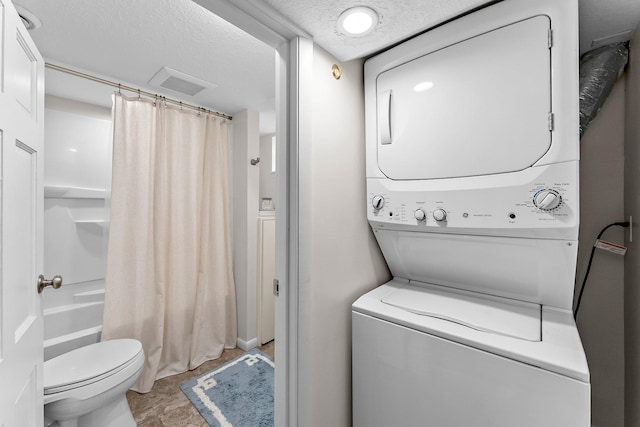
{"x": 247, "y": 345}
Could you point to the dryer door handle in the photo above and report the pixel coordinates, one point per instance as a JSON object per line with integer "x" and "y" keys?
{"x": 384, "y": 117}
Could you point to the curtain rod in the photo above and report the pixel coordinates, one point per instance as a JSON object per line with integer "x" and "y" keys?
{"x": 134, "y": 90}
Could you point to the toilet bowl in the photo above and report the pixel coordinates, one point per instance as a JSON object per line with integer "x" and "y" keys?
{"x": 87, "y": 386}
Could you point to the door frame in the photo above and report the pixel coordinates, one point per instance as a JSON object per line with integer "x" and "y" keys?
{"x": 294, "y": 50}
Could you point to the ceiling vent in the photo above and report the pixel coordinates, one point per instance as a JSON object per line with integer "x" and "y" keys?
{"x": 177, "y": 81}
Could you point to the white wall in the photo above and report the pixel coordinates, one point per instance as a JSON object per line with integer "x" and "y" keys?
{"x": 632, "y": 259}
{"x": 77, "y": 155}
{"x": 78, "y": 141}
{"x": 601, "y": 317}
{"x": 267, "y": 177}
{"x": 246, "y": 146}
{"x": 345, "y": 259}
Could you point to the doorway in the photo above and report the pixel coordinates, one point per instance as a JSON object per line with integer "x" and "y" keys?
{"x": 285, "y": 41}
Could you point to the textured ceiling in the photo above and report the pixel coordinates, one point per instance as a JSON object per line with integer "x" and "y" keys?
{"x": 130, "y": 41}
{"x": 399, "y": 19}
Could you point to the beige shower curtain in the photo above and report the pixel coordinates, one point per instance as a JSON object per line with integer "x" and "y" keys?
{"x": 169, "y": 266}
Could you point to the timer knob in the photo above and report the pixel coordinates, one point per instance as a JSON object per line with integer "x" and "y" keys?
{"x": 439, "y": 215}
{"x": 547, "y": 200}
{"x": 420, "y": 215}
{"x": 377, "y": 202}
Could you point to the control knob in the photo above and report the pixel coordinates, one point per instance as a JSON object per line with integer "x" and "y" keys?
{"x": 377, "y": 202}
{"x": 420, "y": 215}
{"x": 547, "y": 199}
{"x": 439, "y": 214}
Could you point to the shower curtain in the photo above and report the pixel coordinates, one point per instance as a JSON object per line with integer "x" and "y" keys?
{"x": 169, "y": 277}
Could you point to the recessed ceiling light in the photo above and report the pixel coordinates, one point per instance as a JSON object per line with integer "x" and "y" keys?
{"x": 30, "y": 21}
{"x": 357, "y": 21}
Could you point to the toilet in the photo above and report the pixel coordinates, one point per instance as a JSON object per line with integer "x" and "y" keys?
{"x": 87, "y": 386}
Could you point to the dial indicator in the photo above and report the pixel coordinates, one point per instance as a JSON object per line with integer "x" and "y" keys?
{"x": 377, "y": 202}
{"x": 547, "y": 199}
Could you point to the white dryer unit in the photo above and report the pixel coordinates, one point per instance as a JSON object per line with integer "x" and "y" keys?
{"x": 472, "y": 181}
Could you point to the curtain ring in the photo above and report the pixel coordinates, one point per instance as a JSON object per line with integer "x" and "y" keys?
{"x": 155, "y": 99}
{"x": 180, "y": 105}
{"x": 120, "y": 88}
{"x": 138, "y": 94}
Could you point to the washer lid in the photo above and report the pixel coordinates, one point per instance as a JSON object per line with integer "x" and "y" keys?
{"x": 88, "y": 364}
{"x": 477, "y": 311}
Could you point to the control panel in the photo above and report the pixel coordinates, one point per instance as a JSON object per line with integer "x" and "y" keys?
{"x": 541, "y": 202}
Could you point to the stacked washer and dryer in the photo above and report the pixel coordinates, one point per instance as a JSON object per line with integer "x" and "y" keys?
{"x": 472, "y": 179}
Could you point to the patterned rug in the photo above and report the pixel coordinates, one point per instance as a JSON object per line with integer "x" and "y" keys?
{"x": 236, "y": 394}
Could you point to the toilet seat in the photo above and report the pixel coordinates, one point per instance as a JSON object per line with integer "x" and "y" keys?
{"x": 91, "y": 364}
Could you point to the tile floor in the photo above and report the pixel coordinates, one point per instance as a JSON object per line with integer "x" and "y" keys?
{"x": 167, "y": 406}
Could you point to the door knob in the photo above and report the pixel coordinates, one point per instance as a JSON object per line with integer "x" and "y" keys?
{"x": 56, "y": 282}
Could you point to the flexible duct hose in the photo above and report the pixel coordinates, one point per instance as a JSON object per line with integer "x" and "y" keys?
{"x": 599, "y": 70}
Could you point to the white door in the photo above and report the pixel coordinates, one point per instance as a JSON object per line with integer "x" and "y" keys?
{"x": 266, "y": 272}
{"x": 21, "y": 137}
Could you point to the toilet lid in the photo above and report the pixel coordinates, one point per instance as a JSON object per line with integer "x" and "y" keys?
{"x": 88, "y": 364}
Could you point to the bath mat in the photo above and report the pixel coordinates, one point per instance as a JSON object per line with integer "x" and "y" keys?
{"x": 236, "y": 394}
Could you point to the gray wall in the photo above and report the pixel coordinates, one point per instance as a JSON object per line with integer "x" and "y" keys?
{"x": 346, "y": 261}
{"x": 245, "y": 146}
{"x": 601, "y": 316}
{"x": 632, "y": 261}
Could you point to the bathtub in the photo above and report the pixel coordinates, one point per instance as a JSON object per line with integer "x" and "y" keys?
{"x": 72, "y": 317}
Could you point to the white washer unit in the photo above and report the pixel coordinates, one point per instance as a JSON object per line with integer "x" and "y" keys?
{"x": 472, "y": 182}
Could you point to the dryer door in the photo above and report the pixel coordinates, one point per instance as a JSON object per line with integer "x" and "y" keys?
{"x": 481, "y": 106}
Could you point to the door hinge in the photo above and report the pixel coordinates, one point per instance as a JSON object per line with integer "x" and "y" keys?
{"x": 550, "y": 38}
{"x": 276, "y": 287}
{"x": 550, "y": 122}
